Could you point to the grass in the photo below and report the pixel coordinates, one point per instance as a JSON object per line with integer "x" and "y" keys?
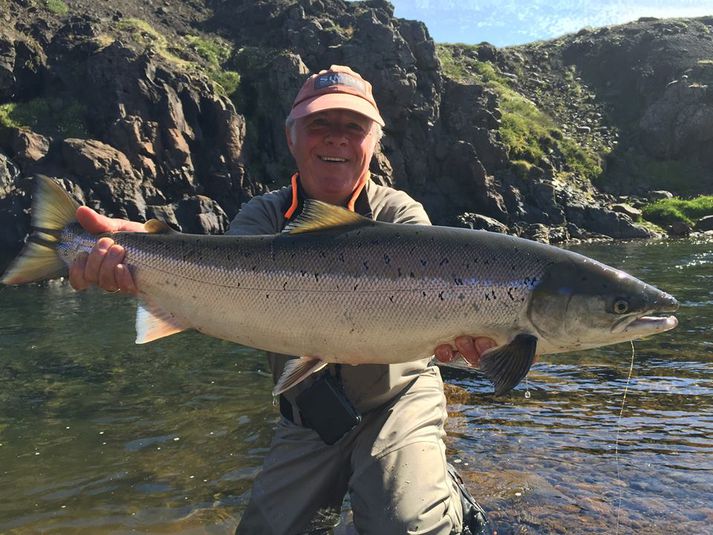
{"x": 527, "y": 131}
{"x": 48, "y": 116}
{"x": 144, "y": 34}
{"x": 57, "y": 7}
{"x": 216, "y": 52}
{"x": 668, "y": 211}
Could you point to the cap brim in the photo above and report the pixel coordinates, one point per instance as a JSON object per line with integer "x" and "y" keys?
{"x": 334, "y": 101}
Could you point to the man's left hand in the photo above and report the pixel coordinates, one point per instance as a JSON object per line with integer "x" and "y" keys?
{"x": 469, "y": 347}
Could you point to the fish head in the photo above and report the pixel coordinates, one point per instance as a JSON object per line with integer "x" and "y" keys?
{"x": 581, "y": 303}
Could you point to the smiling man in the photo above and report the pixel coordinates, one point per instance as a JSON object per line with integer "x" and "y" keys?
{"x": 374, "y": 431}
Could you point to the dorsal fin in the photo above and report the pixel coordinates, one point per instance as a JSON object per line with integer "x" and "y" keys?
{"x": 318, "y": 215}
{"x": 155, "y": 226}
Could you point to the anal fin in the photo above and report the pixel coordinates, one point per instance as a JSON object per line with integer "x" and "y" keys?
{"x": 507, "y": 365}
{"x": 152, "y": 323}
{"x": 296, "y": 370}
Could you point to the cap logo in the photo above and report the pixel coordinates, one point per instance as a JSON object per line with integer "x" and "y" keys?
{"x": 338, "y": 78}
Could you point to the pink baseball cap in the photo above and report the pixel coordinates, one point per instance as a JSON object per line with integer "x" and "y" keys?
{"x": 338, "y": 87}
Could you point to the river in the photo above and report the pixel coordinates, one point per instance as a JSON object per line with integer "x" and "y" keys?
{"x": 98, "y": 435}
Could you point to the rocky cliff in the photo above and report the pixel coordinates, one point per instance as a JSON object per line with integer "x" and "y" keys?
{"x": 176, "y": 109}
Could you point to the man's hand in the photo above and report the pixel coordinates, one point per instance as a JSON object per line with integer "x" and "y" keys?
{"x": 469, "y": 347}
{"x": 102, "y": 266}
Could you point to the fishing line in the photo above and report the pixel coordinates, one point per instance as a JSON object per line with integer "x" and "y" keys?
{"x": 618, "y": 432}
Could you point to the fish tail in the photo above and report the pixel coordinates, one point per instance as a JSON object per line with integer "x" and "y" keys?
{"x": 52, "y": 210}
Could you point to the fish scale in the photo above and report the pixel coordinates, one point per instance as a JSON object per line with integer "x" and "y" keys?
{"x": 336, "y": 287}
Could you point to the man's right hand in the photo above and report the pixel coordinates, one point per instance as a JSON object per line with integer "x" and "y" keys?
{"x": 103, "y": 265}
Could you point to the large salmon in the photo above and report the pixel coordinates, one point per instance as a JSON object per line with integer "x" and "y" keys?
{"x": 337, "y": 287}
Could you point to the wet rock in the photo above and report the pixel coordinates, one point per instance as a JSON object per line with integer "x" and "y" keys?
{"x": 679, "y": 229}
{"x": 704, "y": 224}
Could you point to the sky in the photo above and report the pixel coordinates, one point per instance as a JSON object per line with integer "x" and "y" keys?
{"x": 514, "y": 22}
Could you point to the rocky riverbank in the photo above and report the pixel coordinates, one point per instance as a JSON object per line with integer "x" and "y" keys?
{"x": 176, "y": 110}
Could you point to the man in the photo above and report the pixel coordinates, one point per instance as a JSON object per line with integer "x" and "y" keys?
{"x": 383, "y": 439}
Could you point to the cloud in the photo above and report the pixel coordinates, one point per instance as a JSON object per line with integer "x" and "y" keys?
{"x": 504, "y": 22}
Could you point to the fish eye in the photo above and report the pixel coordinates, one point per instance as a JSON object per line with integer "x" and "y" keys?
{"x": 621, "y": 306}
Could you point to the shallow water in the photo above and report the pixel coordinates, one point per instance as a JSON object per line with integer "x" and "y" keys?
{"x": 98, "y": 435}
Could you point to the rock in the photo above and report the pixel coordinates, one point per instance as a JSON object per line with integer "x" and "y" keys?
{"x": 659, "y": 195}
{"x": 92, "y": 159}
{"x": 537, "y": 232}
{"x": 29, "y": 146}
{"x": 627, "y": 209}
{"x": 704, "y": 224}
{"x": 481, "y": 222}
{"x": 679, "y": 229}
{"x": 201, "y": 215}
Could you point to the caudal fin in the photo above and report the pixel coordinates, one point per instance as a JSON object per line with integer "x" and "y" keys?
{"x": 52, "y": 210}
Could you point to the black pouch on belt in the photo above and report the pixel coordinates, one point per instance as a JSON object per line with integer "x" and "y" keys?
{"x": 325, "y": 408}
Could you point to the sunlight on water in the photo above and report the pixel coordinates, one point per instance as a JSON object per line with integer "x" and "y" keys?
{"x": 98, "y": 435}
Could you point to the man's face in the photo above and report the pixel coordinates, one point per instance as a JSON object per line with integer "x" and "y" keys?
{"x": 332, "y": 149}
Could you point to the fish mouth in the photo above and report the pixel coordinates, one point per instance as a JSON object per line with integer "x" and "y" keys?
{"x": 645, "y": 325}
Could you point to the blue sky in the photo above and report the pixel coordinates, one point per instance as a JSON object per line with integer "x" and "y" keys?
{"x": 512, "y": 22}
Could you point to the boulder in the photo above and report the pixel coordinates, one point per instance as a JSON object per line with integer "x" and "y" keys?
{"x": 627, "y": 209}
{"x": 29, "y": 146}
{"x": 679, "y": 229}
{"x": 704, "y": 224}
{"x": 481, "y": 222}
{"x": 659, "y": 195}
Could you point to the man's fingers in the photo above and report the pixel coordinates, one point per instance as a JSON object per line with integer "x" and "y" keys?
{"x": 482, "y": 344}
{"x": 95, "y": 223}
{"x": 472, "y": 348}
{"x": 95, "y": 260}
{"x": 107, "y": 269}
{"x": 444, "y": 353}
{"x": 76, "y": 273}
{"x": 124, "y": 279}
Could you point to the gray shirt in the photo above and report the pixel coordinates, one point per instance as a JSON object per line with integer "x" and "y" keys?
{"x": 368, "y": 385}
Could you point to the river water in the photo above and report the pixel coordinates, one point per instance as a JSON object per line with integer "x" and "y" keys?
{"x": 98, "y": 435}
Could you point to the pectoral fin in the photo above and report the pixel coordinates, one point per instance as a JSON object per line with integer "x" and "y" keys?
{"x": 296, "y": 370}
{"x": 507, "y": 365}
{"x": 152, "y": 323}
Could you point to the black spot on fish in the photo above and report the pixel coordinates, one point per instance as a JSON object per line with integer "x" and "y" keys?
{"x": 443, "y": 261}
{"x": 355, "y": 287}
{"x": 458, "y": 281}
{"x": 391, "y": 298}
{"x": 267, "y": 296}
{"x": 284, "y": 285}
{"x": 424, "y": 262}
{"x": 495, "y": 297}
{"x": 341, "y": 257}
{"x": 316, "y": 277}
{"x": 387, "y": 260}
{"x": 412, "y": 275}
{"x": 461, "y": 297}
{"x": 366, "y": 265}
{"x": 303, "y": 272}
{"x": 423, "y": 294}
{"x": 510, "y": 294}
{"x": 398, "y": 270}
{"x": 254, "y": 268}
{"x": 487, "y": 297}
{"x": 440, "y": 296}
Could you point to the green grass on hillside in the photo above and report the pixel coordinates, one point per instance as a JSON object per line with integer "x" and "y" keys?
{"x": 58, "y": 7}
{"x": 527, "y": 131}
{"x": 668, "y": 211}
{"x": 48, "y": 116}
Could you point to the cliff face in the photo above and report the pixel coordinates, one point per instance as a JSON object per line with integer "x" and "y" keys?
{"x": 177, "y": 110}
